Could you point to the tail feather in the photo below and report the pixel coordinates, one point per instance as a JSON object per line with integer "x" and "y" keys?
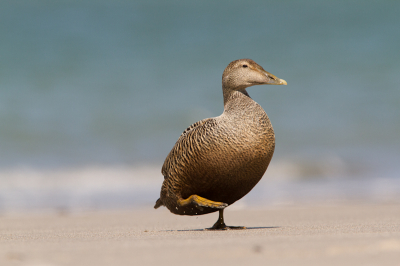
{"x": 158, "y": 204}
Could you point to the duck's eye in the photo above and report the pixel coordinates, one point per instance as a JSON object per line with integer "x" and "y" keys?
{"x": 244, "y": 65}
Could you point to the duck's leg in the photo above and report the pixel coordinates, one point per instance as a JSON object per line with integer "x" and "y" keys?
{"x": 200, "y": 202}
{"x": 220, "y": 224}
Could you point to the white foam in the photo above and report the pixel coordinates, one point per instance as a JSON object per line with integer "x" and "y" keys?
{"x": 128, "y": 186}
{"x": 87, "y": 187}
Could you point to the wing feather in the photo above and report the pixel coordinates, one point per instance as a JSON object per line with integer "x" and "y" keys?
{"x": 184, "y": 149}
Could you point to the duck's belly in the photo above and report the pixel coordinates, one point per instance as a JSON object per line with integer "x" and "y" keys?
{"x": 226, "y": 176}
{"x": 228, "y": 179}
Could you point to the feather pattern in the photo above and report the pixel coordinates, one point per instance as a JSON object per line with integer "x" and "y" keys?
{"x": 221, "y": 158}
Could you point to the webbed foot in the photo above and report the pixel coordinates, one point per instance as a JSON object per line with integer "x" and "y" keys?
{"x": 201, "y": 202}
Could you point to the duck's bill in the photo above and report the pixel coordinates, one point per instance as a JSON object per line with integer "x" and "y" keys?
{"x": 280, "y": 82}
{"x": 276, "y": 81}
{"x": 273, "y": 80}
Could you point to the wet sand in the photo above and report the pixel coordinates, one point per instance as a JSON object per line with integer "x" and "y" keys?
{"x": 329, "y": 234}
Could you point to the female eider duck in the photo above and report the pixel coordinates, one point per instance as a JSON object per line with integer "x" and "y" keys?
{"x": 217, "y": 161}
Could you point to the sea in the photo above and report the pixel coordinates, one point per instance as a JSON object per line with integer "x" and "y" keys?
{"x": 95, "y": 93}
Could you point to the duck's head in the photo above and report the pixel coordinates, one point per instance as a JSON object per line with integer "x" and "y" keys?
{"x": 244, "y": 73}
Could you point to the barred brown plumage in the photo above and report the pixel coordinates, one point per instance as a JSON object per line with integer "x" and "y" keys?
{"x": 216, "y": 161}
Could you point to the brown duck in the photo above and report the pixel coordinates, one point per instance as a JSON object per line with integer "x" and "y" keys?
{"x": 217, "y": 161}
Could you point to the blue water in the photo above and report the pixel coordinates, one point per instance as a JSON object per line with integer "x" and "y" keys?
{"x": 111, "y": 85}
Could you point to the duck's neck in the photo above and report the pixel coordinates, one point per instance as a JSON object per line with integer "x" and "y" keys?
{"x": 234, "y": 99}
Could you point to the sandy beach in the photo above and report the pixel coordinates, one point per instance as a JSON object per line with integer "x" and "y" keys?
{"x": 330, "y": 234}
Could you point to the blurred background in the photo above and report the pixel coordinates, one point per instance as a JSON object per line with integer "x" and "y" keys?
{"x": 94, "y": 94}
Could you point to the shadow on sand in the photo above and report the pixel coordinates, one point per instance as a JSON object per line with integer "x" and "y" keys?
{"x": 236, "y": 229}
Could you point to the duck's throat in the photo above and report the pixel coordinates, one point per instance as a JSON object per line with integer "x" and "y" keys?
{"x": 234, "y": 99}
{"x": 232, "y": 95}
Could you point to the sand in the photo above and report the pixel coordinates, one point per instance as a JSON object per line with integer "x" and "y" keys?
{"x": 329, "y": 234}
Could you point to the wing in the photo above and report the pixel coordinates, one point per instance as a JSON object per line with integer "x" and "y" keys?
{"x": 192, "y": 139}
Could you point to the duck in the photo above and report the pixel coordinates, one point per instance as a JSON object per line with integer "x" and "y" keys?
{"x": 217, "y": 161}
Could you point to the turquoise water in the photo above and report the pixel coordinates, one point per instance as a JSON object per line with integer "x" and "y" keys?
{"x": 112, "y": 84}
